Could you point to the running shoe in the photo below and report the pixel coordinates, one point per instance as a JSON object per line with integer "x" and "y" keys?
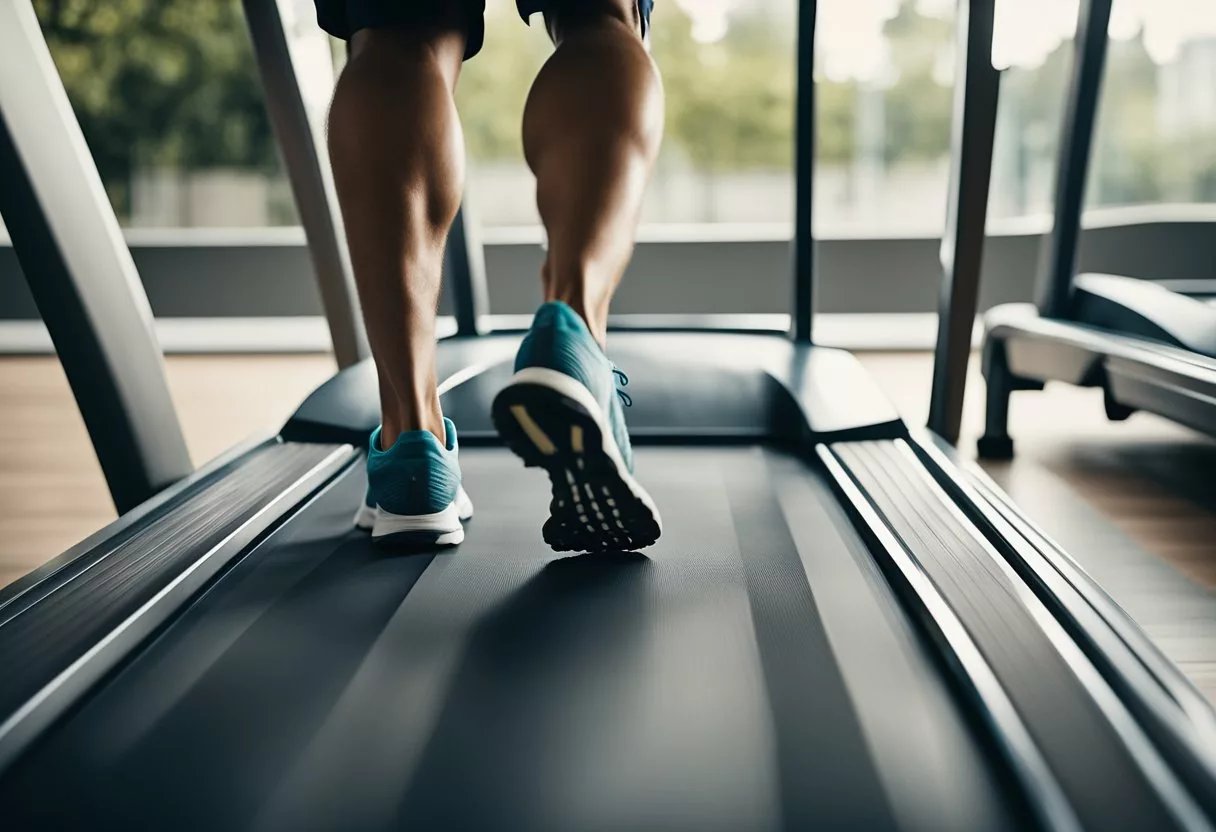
{"x": 414, "y": 496}
{"x": 562, "y": 412}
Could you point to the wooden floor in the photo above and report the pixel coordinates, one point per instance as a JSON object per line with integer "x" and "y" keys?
{"x": 1148, "y": 478}
{"x": 52, "y": 493}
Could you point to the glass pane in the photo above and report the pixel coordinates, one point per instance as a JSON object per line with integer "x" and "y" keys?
{"x": 1156, "y": 132}
{"x": 727, "y": 70}
{"x": 490, "y": 96}
{"x": 886, "y": 72}
{"x": 1155, "y": 138}
{"x": 169, "y": 101}
{"x": 168, "y": 97}
{"x": 728, "y": 74}
{"x": 1032, "y": 44}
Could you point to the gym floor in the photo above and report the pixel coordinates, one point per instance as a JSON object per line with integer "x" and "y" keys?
{"x": 1155, "y": 552}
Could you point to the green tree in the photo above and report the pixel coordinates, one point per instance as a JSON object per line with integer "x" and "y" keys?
{"x": 494, "y": 86}
{"x": 918, "y": 107}
{"x": 157, "y": 83}
{"x": 1127, "y": 159}
{"x": 729, "y": 104}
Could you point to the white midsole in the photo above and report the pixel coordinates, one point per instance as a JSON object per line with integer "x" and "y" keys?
{"x": 441, "y": 521}
{"x": 574, "y": 389}
{"x": 376, "y": 518}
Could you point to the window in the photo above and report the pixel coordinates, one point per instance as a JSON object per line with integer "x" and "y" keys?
{"x": 1156, "y": 130}
{"x": 1155, "y": 139}
{"x": 1032, "y": 45}
{"x": 168, "y": 98}
{"x": 885, "y": 73}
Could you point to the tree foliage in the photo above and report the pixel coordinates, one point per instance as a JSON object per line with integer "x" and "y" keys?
{"x": 729, "y": 104}
{"x": 160, "y": 83}
{"x": 494, "y": 86}
{"x": 918, "y": 105}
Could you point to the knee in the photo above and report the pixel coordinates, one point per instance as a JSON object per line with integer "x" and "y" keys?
{"x": 564, "y": 17}
{"x": 391, "y": 53}
{"x": 390, "y": 70}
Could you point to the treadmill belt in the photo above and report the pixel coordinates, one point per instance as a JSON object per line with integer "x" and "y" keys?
{"x": 323, "y": 683}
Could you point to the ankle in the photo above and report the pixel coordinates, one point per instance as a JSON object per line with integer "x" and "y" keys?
{"x": 591, "y": 306}
{"x": 397, "y": 420}
{"x": 597, "y": 323}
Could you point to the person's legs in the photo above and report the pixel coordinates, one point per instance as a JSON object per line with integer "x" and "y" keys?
{"x": 398, "y": 161}
{"x": 592, "y": 129}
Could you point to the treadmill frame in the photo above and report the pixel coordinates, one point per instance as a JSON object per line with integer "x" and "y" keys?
{"x": 80, "y": 273}
{"x": 977, "y": 86}
{"x": 298, "y": 121}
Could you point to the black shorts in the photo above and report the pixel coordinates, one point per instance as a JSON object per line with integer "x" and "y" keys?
{"x": 342, "y": 18}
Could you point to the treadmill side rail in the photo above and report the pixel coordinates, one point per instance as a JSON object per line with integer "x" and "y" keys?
{"x": 1107, "y": 766}
{"x": 1175, "y": 715}
{"x": 1017, "y": 749}
{"x": 81, "y": 556}
{"x": 1180, "y": 392}
{"x": 56, "y": 647}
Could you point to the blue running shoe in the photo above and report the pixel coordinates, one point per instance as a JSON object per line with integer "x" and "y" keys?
{"x": 414, "y": 496}
{"x": 562, "y": 412}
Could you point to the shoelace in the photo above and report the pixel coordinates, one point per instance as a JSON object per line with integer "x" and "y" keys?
{"x": 623, "y": 380}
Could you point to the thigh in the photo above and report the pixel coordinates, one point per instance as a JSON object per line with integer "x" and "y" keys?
{"x": 342, "y": 18}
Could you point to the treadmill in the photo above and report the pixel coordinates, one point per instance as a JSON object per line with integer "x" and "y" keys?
{"x": 843, "y": 626}
{"x": 1149, "y": 344}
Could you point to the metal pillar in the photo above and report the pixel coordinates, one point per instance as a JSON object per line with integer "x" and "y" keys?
{"x": 1058, "y": 255}
{"x": 804, "y": 174}
{"x": 80, "y": 272}
{"x": 973, "y": 131}
{"x": 285, "y": 40}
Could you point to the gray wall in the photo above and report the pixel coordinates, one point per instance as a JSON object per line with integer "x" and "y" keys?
{"x": 857, "y": 275}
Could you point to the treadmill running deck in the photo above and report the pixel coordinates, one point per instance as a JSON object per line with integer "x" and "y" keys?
{"x": 323, "y": 683}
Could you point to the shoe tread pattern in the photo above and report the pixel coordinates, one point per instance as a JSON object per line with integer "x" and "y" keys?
{"x": 593, "y": 508}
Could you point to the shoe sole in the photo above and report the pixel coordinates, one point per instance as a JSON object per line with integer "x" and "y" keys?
{"x": 444, "y": 528}
{"x": 419, "y": 539}
{"x": 551, "y": 421}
